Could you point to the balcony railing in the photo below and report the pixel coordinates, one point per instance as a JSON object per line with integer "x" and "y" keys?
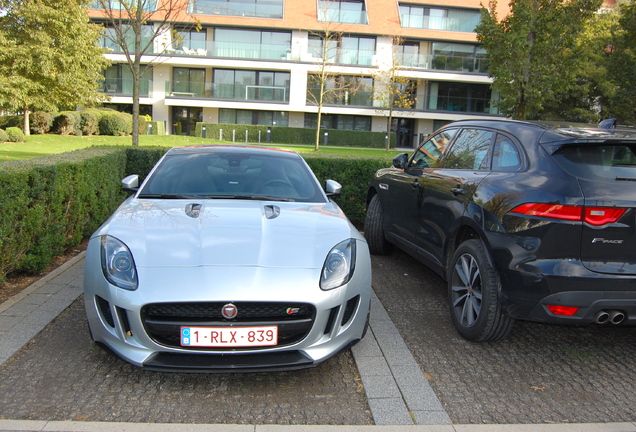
{"x": 124, "y": 87}
{"x": 472, "y": 64}
{"x": 344, "y": 98}
{"x": 462, "y": 104}
{"x": 199, "y": 90}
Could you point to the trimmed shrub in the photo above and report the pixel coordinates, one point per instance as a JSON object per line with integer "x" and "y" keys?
{"x": 4, "y": 137}
{"x": 67, "y": 123}
{"x": 292, "y": 135}
{"x": 40, "y": 122}
{"x": 51, "y": 203}
{"x": 89, "y": 122}
{"x": 15, "y": 134}
{"x": 115, "y": 123}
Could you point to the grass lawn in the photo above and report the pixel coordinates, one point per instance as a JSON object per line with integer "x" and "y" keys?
{"x": 42, "y": 145}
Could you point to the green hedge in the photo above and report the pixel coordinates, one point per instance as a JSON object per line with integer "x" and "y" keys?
{"x": 51, "y": 203}
{"x": 291, "y": 135}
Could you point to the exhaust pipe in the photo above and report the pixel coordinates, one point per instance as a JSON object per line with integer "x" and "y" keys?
{"x": 616, "y": 317}
{"x": 601, "y": 317}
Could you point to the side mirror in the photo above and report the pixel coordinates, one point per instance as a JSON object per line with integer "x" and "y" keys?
{"x": 130, "y": 183}
{"x": 401, "y": 161}
{"x": 332, "y": 188}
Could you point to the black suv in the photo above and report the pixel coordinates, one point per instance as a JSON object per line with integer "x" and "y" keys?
{"x": 524, "y": 220}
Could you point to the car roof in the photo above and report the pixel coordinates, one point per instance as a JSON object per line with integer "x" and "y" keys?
{"x": 553, "y": 132}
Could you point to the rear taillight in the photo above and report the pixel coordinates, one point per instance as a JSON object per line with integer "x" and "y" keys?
{"x": 596, "y": 216}
{"x": 562, "y": 310}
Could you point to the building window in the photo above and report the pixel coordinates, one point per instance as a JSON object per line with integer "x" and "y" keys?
{"x": 252, "y": 117}
{"x": 339, "y": 121}
{"x": 252, "y": 44}
{"x": 436, "y": 18}
{"x": 115, "y": 5}
{"x": 251, "y": 85}
{"x": 342, "y": 11}
{"x": 240, "y": 8}
{"x": 341, "y": 90}
{"x": 118, "y": 80}
{"x": 189, "y": 41}
{"x": 113, "y": 41}
{"x": 462, "y": 97}
{"x": 348, "y": 50}
{"x": 188, "y": 82}
{"x": 459, "y": 57}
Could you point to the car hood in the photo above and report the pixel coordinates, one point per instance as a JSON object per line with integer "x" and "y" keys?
{"x": 187, "y": 233}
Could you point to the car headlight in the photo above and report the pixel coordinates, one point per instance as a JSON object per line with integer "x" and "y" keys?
{"x": 118, "y": 264}
{"x": 339, "y": 265}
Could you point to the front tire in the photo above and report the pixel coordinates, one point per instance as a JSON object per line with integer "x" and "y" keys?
{"x": 473, "y": 293}
{"x": 374, "y": 230}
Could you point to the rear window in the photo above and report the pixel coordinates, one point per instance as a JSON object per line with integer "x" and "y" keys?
{"x": 599, "y": 161}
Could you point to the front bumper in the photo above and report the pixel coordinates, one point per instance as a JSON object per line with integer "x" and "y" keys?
{"x": 116, "y": 317}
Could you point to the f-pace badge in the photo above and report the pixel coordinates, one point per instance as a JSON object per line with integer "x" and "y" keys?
{"x": 229, "y": 311}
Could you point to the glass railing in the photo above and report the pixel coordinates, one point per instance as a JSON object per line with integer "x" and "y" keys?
{"x": 472, "y": 64}
{"x": 345, "y": 98}
{"x": 462, "y": 104}
{"x": 199, "y": 90}
{"x": 124, "y": 87}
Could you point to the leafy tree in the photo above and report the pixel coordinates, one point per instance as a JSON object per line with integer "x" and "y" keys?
{"x": 589, "y": 97}
{"x": 141, "y": 28}
{"x": 531, "y": 51}
{"x": 622, "y": 65}
{"x": 49, "y": 58}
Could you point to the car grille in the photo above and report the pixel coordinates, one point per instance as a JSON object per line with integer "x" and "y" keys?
{"x": 163, "y": 321}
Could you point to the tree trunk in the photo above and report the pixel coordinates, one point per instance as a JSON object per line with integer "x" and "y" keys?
{"x": 27, "y": 125}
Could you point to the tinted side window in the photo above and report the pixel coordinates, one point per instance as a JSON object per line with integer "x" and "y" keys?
{"x": 469, "y": 149}
{"x": 429, "y": 152}
{"x": 505, "y": 156}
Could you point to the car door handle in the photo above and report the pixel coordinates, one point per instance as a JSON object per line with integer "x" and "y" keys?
{"x": 457, "y": 191}
{"x": 415, "y": 184}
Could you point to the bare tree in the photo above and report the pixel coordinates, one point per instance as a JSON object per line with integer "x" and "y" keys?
{"x": 141, "y": 28}
{"x": 392, "y": 89}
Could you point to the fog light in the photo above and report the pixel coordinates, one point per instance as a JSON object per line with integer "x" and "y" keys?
{"x": 562, "y": 310}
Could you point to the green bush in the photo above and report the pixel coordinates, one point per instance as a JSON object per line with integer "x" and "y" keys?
{"x": 53, "y": 202}
{"x": 40, "y": 122}
{"x": 115, "y": 123}
{"x": 66, "y": 123}
{"x": 292, "y": 135}
{"x": 156, "y": 128}
{"x": 15, "y": 134}
{"x": 11, "y": 121}
{"x": 4, "y": 137}
{"x": 89, "y": 122}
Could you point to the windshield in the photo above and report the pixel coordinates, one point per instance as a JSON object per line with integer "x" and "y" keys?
{"x": 601, "y": 161}
{"x": 232, "y": 175}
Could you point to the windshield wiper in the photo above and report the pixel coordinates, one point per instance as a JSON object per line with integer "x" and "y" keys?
{"x": 169, "y": 196}
{"x": 251, "y": 197}
{"x": 625, "y": 179}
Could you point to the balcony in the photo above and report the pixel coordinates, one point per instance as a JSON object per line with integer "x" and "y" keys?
{"x": 124, "y": 87}
{"x": 343, "y": 98}
{"x": 252, "y": 93}
{"x": 468, "y": 64}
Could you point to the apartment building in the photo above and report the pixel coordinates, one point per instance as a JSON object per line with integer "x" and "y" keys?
{"x": 251, "y": 62}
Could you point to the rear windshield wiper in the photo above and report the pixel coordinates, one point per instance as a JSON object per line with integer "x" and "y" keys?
{"x": 625, "y": 179}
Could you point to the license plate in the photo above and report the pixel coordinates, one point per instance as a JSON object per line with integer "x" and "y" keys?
{"x": 229, "y": 336}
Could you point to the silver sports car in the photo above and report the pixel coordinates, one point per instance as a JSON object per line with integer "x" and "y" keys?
{"x": 227, "y": 259}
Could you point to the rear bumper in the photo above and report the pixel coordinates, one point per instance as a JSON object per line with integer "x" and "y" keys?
{"x": 590, "y": 304}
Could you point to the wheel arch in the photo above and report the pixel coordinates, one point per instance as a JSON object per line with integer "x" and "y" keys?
{"x": 465, "y": 231}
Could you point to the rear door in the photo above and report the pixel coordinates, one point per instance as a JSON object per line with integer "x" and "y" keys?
{"x": 607, "y": 175}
